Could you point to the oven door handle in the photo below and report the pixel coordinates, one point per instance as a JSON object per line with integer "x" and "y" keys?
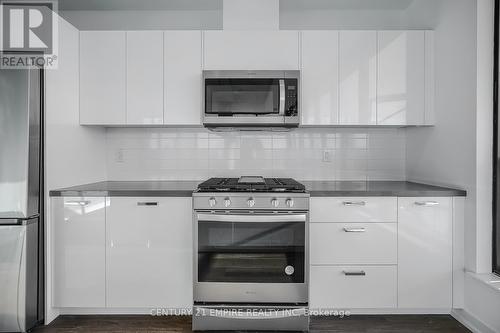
{"x": 251, "y": 218}
{"x": 221, "y": 313}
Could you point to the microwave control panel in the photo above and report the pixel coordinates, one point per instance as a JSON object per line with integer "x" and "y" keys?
{"x": 291, "y": 100}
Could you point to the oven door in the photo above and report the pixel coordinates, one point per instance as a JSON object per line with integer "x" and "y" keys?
{"x": 253, "y": 257}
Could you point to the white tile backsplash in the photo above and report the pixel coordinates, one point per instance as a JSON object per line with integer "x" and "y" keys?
{"x": 196, "y": 154}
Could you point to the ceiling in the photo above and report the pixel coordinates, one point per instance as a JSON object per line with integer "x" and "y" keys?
{"x": 140, "y": 5}
{"x": 217, "y": 4}
{"x": 345, "y": 4}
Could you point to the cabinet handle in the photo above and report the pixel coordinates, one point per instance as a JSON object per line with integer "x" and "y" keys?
{"x": 354, "y": 203}
{"x": 354, "y": 229}
{"x": 147, "y": 203}
{"x": 354, "y": 273}
{"x": 426, "y": 203}
{"x": 78, "y": 203}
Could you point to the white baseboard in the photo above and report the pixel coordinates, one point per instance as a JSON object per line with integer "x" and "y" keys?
{"x": 105, "y": 311}
{"x": 394, "y": 311}
{"x": 148, "y": 311}
{"x": 470, "y": 321}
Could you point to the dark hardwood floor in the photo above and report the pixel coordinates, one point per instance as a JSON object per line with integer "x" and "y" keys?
{"x": 354, "y": 323}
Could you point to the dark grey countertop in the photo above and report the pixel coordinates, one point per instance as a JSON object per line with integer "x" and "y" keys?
{"x": 315, "y": 188}
{"x": 378, "y": 189}
{"x": 130, "y": 189}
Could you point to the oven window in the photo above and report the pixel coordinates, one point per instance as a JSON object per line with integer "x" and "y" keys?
{"x": 241, "y": 96}
{"x": 251, "y": 252}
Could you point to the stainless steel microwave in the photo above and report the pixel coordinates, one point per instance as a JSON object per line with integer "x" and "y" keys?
{"x": 251, "y": 98}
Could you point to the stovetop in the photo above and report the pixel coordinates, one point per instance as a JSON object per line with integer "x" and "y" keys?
{"x": 252, "y": 184}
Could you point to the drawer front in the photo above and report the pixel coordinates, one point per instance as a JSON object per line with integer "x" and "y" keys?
{"x": 333, "y": 288}
{"x": 354, "y": 209}
{"x": 353, "y": 243}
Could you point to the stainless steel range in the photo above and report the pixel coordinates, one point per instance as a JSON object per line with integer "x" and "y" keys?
{"x": 251, "y": 254}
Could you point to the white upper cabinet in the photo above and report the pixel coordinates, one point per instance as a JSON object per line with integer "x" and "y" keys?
{"x": 320, "y": 77}
{"x": 102, "y": 78}
{"x": 358, "y": 77}
{"x": 401, "y": 78}
{"x": 79, "y": 251}
{"x": 425, "y": 233}
{"x": 144, "y": 56}
{"x": 251, "y": 50}
{"x": 348, "y": 78}
{"x": 430, "y": 85}
{"x": 182, "y": 58}
{"x": 149, "y": 252}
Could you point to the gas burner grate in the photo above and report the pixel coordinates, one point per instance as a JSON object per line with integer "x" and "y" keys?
{"x": 234, "y": 185}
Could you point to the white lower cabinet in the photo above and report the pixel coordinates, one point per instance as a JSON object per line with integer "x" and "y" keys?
{"x": 79, "y": 252}
{"x": 369, "y": 253}
{"x": 344, "y": 287}
{"x": 149, "y": 252}
{"x": 425, "y": 252}
{"x": 122, "y": 252}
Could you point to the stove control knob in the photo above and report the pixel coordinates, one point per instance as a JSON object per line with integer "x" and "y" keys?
{"x": 275, "y": 203}
{"x": 227, "y": 202}
{"x": 212, "y": 202}
{"x": 251, "y": 202}
{"x": 289, "y": 203}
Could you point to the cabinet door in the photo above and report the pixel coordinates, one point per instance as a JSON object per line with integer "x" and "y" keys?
{"x": 144, "y": 77}
{"x": 79, "y": 252}
{"x": 358, "y": 77}
{"x": 149, "y": 252}
{"x": 401, "y": 78}
{"x": 425, "y": 252}
{"x": 182, "y": 52}
{"x": 251, "y": 50}
{"x": 430, "y": 85}
{"x": 320, "y": 77}
{"x": 102, "y": 78}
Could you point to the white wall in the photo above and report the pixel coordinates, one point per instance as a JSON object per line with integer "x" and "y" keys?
{"x": 458, "y": 150}
{"x": 445, "y": 154}
{"x": 196, "y": 154}
{"x": 73, "y": 154}
{"x": 482, "y": 303}
{"x": 251, "y": 15}
{"x": 484, "y": 135}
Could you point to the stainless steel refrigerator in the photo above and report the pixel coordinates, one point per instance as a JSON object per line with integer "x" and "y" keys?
{"x": 21, "y": 199}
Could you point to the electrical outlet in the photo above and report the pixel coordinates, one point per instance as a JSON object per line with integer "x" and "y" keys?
{"x": 327, "y": 156}
{"x": 119, "y": 156}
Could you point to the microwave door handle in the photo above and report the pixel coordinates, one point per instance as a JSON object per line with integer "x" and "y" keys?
{"x": 282, "y": 98}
